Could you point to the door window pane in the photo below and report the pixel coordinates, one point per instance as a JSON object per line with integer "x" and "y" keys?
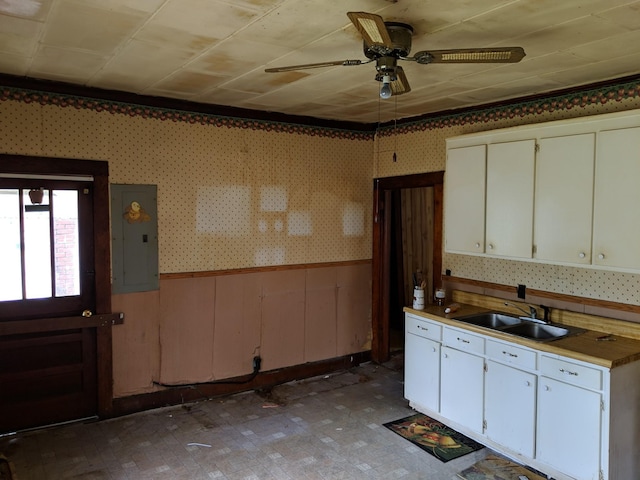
{"x": 10, "y": 272}
{"x": 37, "y": 248}
{"x": 65, "y": 239}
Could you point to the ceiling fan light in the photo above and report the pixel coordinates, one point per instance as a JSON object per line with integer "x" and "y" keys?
{"x": 385, "y": 89}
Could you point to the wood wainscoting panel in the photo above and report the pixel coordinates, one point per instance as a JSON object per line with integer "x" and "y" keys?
{"x": 186, "y": 330}
{"x": 320, "y": 332}
{"x": 136, "y": 343}
{"x": 236, "y": 335}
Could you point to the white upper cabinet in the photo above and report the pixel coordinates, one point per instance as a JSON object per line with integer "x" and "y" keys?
{"x": 465, "y": 199}
{"x": 509, "y": 210}
{"x": 616, "y": 228}
{"x": 564, "y": 192}
{"x": 564, "y": 199}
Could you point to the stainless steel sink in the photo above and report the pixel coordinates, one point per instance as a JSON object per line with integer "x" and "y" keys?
{"x": 520, "y": 326}
{"x": 541, "y": 332}
{"x": 490, "y": 319}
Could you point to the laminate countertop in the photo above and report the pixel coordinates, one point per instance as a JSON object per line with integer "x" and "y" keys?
{"x": 613, "y": 352}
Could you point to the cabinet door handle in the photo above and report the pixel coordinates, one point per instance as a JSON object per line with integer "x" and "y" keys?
{"x": 601, "y": 256}
{"x": 477, "y": 245}
{"x": 462, "y": 340}
{"x": 504, "y": 352}
{"x": 582, "y": 254}
{"x": 490, "y": 246}
{"x": 527, "y": 383}
{"x": 568, "y": 372}
{"x": 433, "y": 349}
{"x": 547, "y": 388}
{"x": 445, "y": 355}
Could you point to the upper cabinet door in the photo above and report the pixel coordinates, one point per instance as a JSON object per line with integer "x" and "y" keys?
{"x": 509, "y": 209}
{"x": 616, "y": 214}
{"x": 564, "y": 199}
{"x": 464, "y": 199}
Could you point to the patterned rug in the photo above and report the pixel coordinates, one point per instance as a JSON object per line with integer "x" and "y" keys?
{"x": 434, "y": 437}
{"x": 496, "y": 468}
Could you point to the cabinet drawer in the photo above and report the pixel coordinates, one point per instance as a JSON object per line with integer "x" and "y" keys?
{"x": 423, "y": 328}
{"x": 505, "y": 353}
{"x": 569, "y": 372}
{"x": 463, "y": 341}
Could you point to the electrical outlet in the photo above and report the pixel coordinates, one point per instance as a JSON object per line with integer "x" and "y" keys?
{"x": 522, "y": 291}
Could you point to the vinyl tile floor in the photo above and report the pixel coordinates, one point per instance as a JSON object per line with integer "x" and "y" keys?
{"x": 327, "y": 427}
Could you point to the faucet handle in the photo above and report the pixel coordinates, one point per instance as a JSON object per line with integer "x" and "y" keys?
{"x": 547, "y": 311}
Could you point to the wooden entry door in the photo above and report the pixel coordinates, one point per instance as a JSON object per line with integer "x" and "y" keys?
{"x": 48, "y": 360}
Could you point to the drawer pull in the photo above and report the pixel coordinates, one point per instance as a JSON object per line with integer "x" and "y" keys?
{"x": 462, "y": 340}
{"x": 504, "y": 352}
{"x": 423, "y": 328}
{"x": 568, "y": 372}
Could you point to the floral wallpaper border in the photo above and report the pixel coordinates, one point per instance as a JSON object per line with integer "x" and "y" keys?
{"x": 144, "y": 111}
{"x": 581, "y": 99}
{"x": 615, "y": 92}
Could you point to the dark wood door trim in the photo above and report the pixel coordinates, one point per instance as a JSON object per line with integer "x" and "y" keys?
{"x": 99, "y": 170}
{"x": 382, "y": 188}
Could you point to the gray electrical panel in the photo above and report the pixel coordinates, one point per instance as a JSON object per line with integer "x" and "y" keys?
{"x": 134, "y": 231}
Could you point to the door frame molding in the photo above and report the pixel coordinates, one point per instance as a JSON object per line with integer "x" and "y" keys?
{"x": 99, "y": 170}
{"x": 381, "y": 251}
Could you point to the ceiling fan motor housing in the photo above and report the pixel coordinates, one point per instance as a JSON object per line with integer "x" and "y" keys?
{"x": 400, "y": 34}
{"x": 386, "y": 66}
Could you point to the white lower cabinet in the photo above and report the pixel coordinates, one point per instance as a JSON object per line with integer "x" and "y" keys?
{"x": 569, "y": 429}
{"x": 510, "y": 407}
{"x": 422, "y": 362}
{"x": 570, "y": 419}
{"x": 461, "y": 378}
{"x": 461, "y": 388}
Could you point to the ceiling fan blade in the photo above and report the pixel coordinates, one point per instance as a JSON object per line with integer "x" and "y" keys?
{"x": 344, "y": 63}
{"x": 471, "y": 55}
{"x": 400, "y": 85}
{"x": 372, "y": 28}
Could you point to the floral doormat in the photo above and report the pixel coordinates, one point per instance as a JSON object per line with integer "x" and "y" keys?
{"x": 434, "y": 437}
{"x": 496, "y": 468}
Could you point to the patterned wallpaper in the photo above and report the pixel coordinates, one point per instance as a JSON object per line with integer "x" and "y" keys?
{"x": 228, "y": 197}
{"x": 239, "y": 193}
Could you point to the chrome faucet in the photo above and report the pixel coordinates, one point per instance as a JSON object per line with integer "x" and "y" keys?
{"x": 532, "y": 315}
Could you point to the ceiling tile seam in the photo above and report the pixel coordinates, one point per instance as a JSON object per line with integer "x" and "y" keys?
{"x": 184, "y": 66}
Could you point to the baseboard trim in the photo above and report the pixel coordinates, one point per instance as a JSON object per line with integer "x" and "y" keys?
{"x": 185, "y": 394}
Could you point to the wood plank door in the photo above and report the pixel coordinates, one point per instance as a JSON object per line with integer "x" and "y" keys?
{"x": 48, "y": 360}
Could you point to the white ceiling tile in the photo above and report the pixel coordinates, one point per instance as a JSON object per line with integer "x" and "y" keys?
{"x": 73, "y": 24}
{"x": 215, "y": 51}
{"x": 19, "y": 36}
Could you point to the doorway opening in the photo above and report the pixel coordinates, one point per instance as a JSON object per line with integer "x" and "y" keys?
{"x": 394, "y": 261}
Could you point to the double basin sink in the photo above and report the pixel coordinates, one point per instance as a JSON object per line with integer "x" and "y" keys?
{"x": 521, "y": 326}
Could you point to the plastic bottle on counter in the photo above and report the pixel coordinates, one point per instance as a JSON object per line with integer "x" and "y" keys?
{"x": 452, "y": 308}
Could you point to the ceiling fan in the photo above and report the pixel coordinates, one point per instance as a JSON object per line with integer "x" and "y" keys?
{"x": 387, "y": 42}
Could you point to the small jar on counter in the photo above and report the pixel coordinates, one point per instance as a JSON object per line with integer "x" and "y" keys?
{"x": 440, "y": 296}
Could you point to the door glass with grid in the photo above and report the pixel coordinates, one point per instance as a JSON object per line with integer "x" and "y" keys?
{"x": 40, "y": 245}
